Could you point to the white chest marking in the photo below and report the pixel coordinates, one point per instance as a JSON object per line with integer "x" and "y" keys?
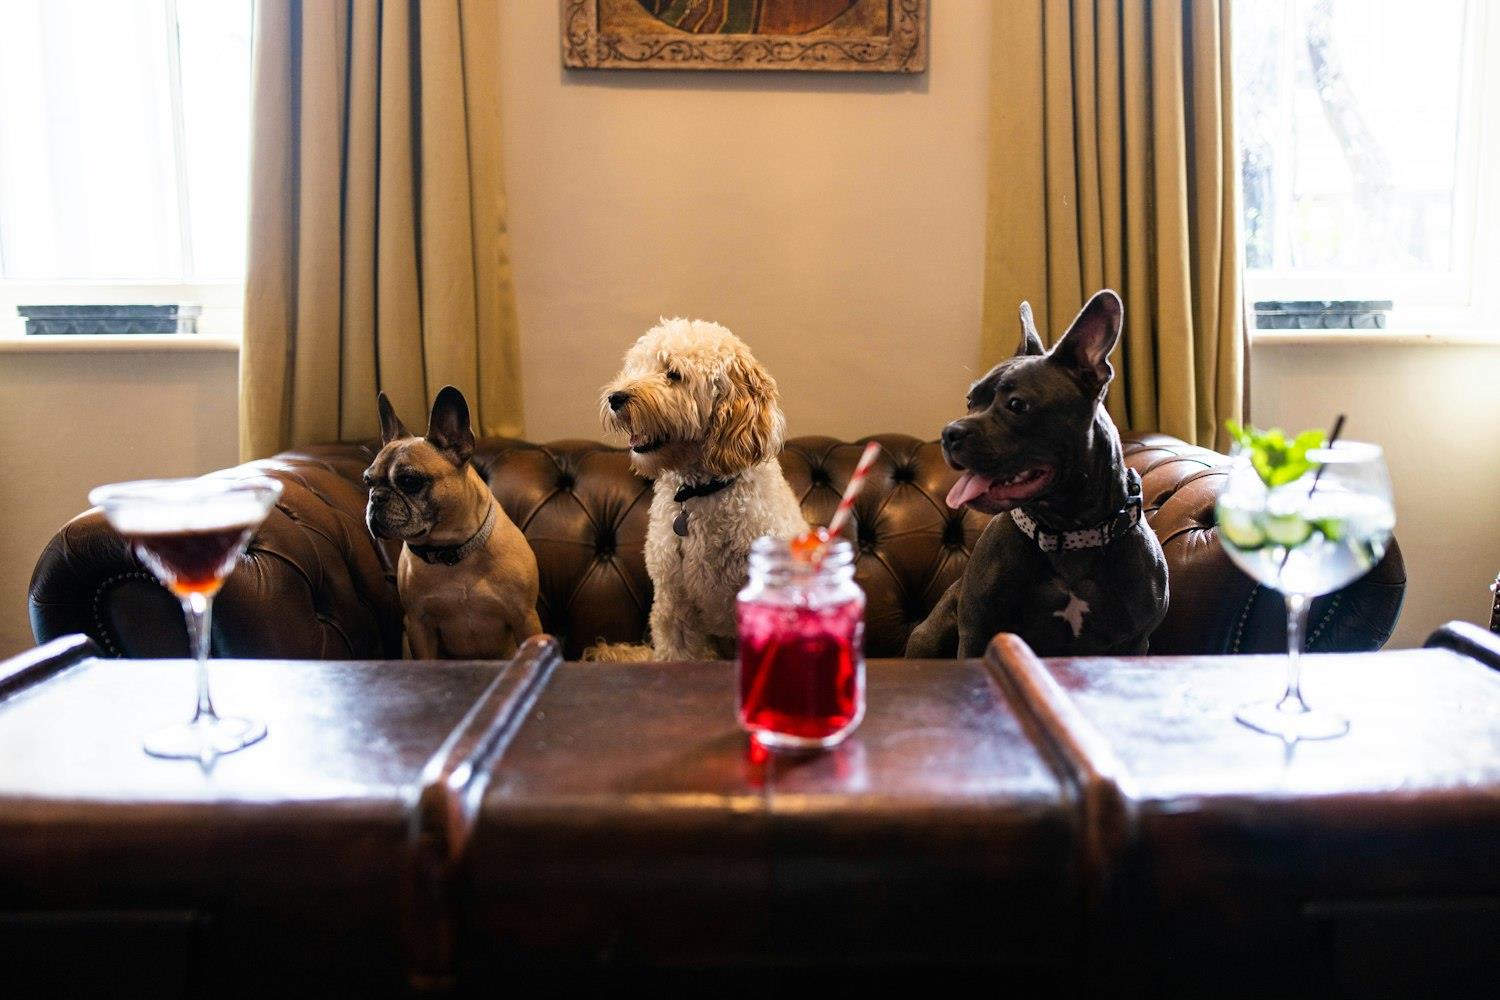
{"x": 1073, "y": 613}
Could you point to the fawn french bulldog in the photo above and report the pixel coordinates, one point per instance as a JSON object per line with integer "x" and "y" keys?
{"x": 467, "y": 577}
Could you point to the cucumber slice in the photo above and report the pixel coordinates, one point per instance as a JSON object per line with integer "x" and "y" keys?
{"x": 1331, "y": 528}
{"x": 1289, "y": 530}
{"x": 1240, "y": 529}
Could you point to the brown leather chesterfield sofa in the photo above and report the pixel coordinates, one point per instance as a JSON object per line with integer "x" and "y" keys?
{"x": 316, "y": 585}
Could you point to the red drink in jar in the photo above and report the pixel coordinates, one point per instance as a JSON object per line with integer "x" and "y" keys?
{"x": 801, "y": 647}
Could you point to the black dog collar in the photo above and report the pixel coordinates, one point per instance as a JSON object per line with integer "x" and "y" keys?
{"x": 1097, "y": 537}
{"x": 452, "y": 555}
{"x": 688, "y": 491}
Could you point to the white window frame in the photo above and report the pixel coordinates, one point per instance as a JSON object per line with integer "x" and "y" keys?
{"x": 1466, "y": 299}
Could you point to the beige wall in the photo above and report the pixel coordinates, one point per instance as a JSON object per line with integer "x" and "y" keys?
{"x": 70, "y": 421}
{"x": 836, "y": 222}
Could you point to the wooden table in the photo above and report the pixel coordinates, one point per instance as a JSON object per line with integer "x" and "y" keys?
{"x": 1061, "y": 824}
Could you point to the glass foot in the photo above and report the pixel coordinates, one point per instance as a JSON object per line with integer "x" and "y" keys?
{"x": 1293, "y": 722}
{"x": 788, "y": 743}
{"x": 799, "y": 744}
{"x": 205, "y": 738}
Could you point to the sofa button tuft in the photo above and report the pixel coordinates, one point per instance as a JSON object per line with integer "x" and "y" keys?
{"x": 953, "y": 531}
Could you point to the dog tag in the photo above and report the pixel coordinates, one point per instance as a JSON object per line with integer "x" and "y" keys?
{"x": 679, "y": 523}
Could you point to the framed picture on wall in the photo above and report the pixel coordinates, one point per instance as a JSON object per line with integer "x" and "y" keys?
{"x": 863, "y": 36}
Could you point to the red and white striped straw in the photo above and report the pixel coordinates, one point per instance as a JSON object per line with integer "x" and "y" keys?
{"x": 856, "y": 482}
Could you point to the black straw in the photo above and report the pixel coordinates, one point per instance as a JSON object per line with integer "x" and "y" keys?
{"x": 1333, "y": 435}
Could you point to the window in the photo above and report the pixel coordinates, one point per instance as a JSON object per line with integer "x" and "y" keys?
{"x": 1361, "y": 126}
{"x": 124, "y": 153}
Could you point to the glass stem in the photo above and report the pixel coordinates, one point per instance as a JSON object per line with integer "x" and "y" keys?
{"x": 1296, "y": 628}
{"x": 199, "y": 611}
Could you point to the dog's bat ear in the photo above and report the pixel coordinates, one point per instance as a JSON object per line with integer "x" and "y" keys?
{"x": 391, "y": 426}
{"x": 448, "y": 428}
{"x": 1031, "y": 341}
{"x": 1085, "y": 349}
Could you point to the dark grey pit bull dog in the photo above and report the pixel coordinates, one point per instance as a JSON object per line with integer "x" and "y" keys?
{"x": 1071, "y": 565}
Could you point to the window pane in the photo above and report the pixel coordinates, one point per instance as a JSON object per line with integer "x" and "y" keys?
{"x": 91, "y": 187}
{"x": 215, "y": 46}
{"x": 87, "y": 180}
{"x": 1349, "y": 116}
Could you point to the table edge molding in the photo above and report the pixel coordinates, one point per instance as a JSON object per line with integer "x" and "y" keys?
{"x": 1079, "y": 750}
{"x": 39, "y": 665}
{"x": 446, "y": 809}
{"x": 1467, "y": 640}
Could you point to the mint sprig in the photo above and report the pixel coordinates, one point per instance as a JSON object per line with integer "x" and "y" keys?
{"x": 1276, "y": 460}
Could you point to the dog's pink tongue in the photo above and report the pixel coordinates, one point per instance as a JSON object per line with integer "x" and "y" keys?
{"x": 969, "y": 486}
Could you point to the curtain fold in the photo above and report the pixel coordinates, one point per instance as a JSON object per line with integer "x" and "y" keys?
{"x": 378, "y": 253}
{"x": 1113, "y": 165}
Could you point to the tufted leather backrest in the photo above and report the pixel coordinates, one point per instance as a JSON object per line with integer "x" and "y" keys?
{"x": 315, "y": 584}
{"x": 585, "y": 515}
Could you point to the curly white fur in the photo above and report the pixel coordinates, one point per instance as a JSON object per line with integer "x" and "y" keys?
{"x": 697, "y": 406}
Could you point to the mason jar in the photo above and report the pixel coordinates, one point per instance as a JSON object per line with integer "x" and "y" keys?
{"x": 801, "y": 646}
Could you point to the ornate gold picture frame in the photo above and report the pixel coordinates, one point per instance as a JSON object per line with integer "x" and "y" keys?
{"x": 865, "y": 36}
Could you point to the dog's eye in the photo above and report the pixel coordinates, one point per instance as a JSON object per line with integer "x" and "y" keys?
{"x": 1017, "y": 405}
{"x": 673, "y": 375}
{"x": 410, "y": 482}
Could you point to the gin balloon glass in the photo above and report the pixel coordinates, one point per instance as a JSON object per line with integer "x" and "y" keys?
{"x": 191, "y": 533}
{"x": 1304, "y": 538}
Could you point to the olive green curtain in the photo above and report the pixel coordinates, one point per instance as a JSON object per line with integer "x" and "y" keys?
{"x": 1112, "y": 165}
{"x": 378, "y": 254}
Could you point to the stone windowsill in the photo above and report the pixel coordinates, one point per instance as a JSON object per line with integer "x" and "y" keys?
{"x": 123, "y": 342}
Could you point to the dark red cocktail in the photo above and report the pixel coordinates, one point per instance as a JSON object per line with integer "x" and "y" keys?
{"x": 190, "y": 533}
{"x": 195, "y": 561}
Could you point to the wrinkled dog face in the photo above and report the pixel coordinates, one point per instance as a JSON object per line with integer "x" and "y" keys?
{"x": 415, "y": 482}
{"x": 406, "y": 483}
{"x": 693, "y": 400}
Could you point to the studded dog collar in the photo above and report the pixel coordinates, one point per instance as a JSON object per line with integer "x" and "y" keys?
{"x": 1097, "y": 537}
{"x": 452, "y": 555}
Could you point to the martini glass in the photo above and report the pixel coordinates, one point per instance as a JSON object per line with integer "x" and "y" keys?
{"x": 191, "y": 533}
{"x": 1304, "y": 538}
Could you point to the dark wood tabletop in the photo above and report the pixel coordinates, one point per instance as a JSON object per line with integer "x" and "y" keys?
{"x": 192, "y": 872}
{"x": 630, "y": 807}
{"x": 1364, "y": 866}
{"x": 1073, "y": 824}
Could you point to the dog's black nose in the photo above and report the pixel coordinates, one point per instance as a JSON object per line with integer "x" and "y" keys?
{"x": 954, "y": 434}
{"x": 617, "y": 400}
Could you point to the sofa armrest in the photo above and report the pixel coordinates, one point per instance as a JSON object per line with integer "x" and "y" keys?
{"x": 313, "y": 584}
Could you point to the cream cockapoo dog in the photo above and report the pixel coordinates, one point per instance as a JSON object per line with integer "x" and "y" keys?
{"x": 704, "y": 421}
